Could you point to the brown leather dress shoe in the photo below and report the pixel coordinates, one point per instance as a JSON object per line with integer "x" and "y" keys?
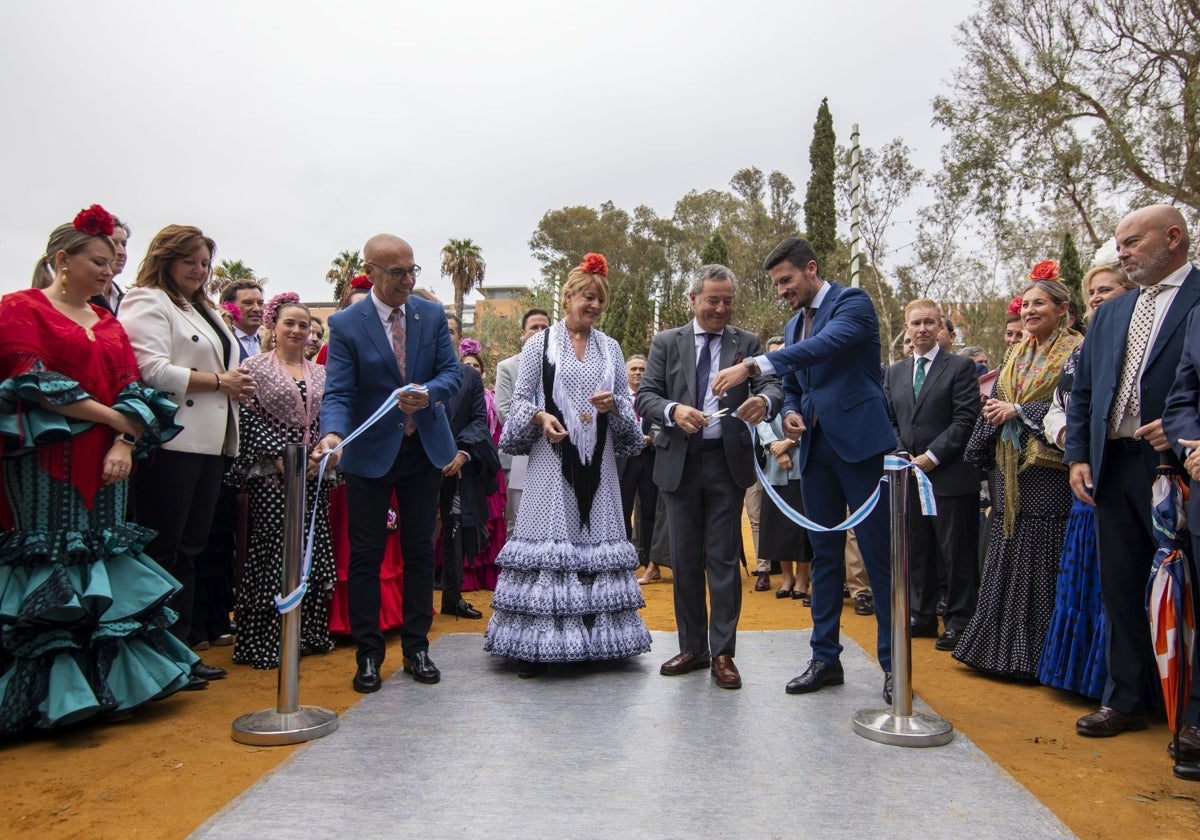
{"x": 683, "y": 663}
{"x": 1189, "y": 744}
{"x": 1106, "y": 722}
{"x": 725, "y": 672}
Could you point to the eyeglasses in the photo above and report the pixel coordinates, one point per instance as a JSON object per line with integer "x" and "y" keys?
{"x": 398, "y": 273}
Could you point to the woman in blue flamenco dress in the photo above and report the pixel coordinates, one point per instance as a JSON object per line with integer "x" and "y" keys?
{"x": 83, "y": 615}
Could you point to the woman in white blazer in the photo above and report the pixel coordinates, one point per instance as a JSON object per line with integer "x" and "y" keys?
{"x": 184, "y": 349}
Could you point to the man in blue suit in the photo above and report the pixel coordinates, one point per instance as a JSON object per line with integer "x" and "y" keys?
{"x": 387, "y": 340}
{"x": 833, "y": 390}
{"x": 1115, "y": 440}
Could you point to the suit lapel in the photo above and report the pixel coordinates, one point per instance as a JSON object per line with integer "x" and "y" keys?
{"x": 931, "y": 376}
{"x": 687, "y": 360}
{"x": 382, "y": 342}
{"x": 729, "y": 347}
{"x": 1185, "y": 300}
{"x": 412, "y": 338}
{"x": 202, "y": 327}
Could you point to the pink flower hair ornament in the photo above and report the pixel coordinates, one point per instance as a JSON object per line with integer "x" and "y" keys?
{"x": 274, "y": 304}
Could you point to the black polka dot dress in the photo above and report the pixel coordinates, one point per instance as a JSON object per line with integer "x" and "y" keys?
{"x": 263, "y": 440}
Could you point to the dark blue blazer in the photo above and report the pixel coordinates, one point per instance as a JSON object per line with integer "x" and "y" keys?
{"x": 361, "y": 372}
{"x": 1181, "y": 417}
{"x": 1099, "y": 371}
{"x": 835, "y": 375}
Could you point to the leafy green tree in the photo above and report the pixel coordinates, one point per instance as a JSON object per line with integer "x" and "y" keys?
{"x": 463, "y": 263}
{"x": 343, "y": 268}
{"x": 820, "y": 211}
{"x": 1076, "y": 103}
{"x": 230, "y": 271}
{"x": 1071, "y": 271}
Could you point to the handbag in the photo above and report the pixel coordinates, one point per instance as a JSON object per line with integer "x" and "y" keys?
{"x": 1042, "y": 454}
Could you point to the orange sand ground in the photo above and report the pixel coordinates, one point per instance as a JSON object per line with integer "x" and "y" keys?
{"x": 173, "y": 765}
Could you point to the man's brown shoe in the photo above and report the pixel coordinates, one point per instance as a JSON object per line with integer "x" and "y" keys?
{"x": 725, "y": 672}
{"x": 1106, "y": 722}
{"x": 683, "y": 663}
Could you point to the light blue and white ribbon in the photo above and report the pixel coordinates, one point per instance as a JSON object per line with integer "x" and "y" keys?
{"x": 289, "y": 602}
{"x": 890, "y": 463}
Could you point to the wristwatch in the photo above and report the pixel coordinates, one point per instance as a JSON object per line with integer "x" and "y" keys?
{"x": 125, "y": 437}
{"x": 751, "y": 365}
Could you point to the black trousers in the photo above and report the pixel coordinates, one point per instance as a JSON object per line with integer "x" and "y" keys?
{"x": 1125, "y": 538}
{"x": 177, "y": 496}
{"x": 416, "y": 483}
{"x": 637, "y": 482}
{"x": 951, "y": 537}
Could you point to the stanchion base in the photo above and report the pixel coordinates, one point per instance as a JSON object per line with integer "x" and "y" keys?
{"x": 272, "y": 728}
{"x": 915, "y": 730}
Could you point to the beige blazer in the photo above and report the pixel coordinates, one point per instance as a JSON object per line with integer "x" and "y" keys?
{"x": 170, "y": 343}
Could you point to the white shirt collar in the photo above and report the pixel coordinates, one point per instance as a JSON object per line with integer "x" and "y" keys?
{"x": 383, "y": 309}
{"x": 930, "y": 356}
{"x": 699, "y": 330}
{"x": 1176, "y": 277}
{"x": 820, "y": 296}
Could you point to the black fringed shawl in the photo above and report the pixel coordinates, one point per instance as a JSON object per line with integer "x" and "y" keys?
{"x": 584, "y": 479}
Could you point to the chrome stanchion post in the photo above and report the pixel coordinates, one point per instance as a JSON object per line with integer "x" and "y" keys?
{"x": 289, "y": 722}
{"x": 899, "y": 725}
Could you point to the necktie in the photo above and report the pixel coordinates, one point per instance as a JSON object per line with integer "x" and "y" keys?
{"x": 810, "y": 315}
{"x": 1128, "y": 403}
{"x": 396, "y": 320}
{"x": 703, "y": 367}
{"x": 919, "y": 379}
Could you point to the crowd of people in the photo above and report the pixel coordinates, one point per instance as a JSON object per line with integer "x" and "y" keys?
{"x": 578, "y": 468}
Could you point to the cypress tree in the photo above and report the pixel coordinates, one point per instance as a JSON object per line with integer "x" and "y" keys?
{"x": 820, "y": 213}
{"x": 637, "y": 322}
{"x": 714, "y": 251}
{"x": 1071, "y": 271}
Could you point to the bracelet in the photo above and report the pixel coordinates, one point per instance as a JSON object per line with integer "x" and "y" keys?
{"x": 217, "y": 377}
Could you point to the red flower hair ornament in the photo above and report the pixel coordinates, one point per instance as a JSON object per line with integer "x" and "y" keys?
{"x": 362, "y": 281}
{"x": 94, "y": 221}
{"x": 1014, "y": 306}
{"x": 1045, "y": 270}
{"x": 469, "y": 347}
{"x": 594, "y": 264}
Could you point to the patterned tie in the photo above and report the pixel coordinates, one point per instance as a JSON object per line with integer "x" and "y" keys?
{"x": 703, "y": 367}
{"x": 1128, "y": 403}
{"x": 400, "y": 348}
{"x": 919, "y": 379}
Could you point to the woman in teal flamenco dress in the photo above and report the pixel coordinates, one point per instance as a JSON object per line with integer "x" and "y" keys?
{"x": 83, "y": 615}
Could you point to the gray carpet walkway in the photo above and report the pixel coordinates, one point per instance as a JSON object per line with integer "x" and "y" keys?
{"x": 615, "y": 750}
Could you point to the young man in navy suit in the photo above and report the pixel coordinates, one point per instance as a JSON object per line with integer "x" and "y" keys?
{"x": 386, "y": 340}
{"x": 835, "y": 405}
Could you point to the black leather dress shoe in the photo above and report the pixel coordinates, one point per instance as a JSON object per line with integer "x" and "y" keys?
{"x": 887, "y": 687}
{"x": 422, "y": 668}
{"x": 818, "y": 675}
{"x": 208, "y": 672}
{"x": 195, "y": 683}
{"x": 527, "y": 670}
{"x": 1106, "y": 722}
{"x": 366, "y": 679}
{"x": 948, "y": 640}
{"x": 1189, "y": 745}
{"x": 461, "y": 610}
{"x": 920, "y": 629}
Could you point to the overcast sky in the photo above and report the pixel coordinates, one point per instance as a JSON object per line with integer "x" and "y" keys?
{"x": 290, "y": 131}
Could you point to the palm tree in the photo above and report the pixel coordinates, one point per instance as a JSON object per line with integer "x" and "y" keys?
{"x": 462, "y": 262}
{"x": 229, "y": 271}
{"x": 345, "y": 267}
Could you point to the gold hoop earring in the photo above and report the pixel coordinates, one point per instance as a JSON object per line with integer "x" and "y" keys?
{"x": 64, "y": 282}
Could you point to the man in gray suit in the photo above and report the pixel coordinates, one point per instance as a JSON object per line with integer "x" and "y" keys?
{"x": 933, "y": 402}
{"x": 532, "y": 323}
{"x": 703, "y": 467}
